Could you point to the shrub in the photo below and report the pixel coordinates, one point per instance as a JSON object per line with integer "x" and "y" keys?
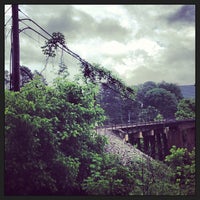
{"x": 49, "y": 137}
{"x": 183, "y": 163}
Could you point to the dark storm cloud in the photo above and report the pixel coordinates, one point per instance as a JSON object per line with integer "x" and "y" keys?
{"x": 69, "y": 20}
{"x": 76, "y": 24}
{"x": 184, "y": 14}
{"x": 157, "y": 44}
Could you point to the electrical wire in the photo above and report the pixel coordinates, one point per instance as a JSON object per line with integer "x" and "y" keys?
{"x": 7, "y": 10}
{"x": 62, "y": 47}
{"x": 28, "y": 27}
{"x": 31, "y": 37}
{"x": 7, "y": 21}
{"x": 8, "y": 34}
{"x": 66, "y": 49}
{"x": 28, "y": 18}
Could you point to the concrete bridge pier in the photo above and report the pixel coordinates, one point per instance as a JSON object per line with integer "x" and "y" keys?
{"x": 158, "y": 139}
{"x": 149, "y": 143}
{"x": 138, "y": 137}
{"x": 131, "y": 138}
{"x": 145, "y": 142}
{"x": 152, "y": 143}
{"x": 165, "y": 141}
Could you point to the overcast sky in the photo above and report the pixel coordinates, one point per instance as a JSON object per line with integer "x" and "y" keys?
{"x": 137, "y": 42}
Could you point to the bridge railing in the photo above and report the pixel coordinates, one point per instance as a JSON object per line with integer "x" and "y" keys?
{"x": 124, "y": 125}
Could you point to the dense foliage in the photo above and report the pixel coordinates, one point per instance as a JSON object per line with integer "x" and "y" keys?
{"x": 161, "y": 99}
{"x": 51, "y": 147}
{"x": 49, "y": 138}
{"x": 117, "y": 108}
{"x": 173, "y": 88}
{"x": 183, "y": 163}
{"x": 185, "y": 109}
{"x": 152, "y": 102}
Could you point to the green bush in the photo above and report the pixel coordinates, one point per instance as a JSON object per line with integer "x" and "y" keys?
{"x": 183, "y": 163}
{"x": 49, "y": 137}
{"x": 108, "y": 177}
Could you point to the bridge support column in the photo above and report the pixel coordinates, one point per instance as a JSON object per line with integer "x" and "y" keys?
{"x": 165, "y": 141}
{"x": 173, "y": 137}
{"x": 159, "y": 143}
{"x": 138, "y": 138}
{"x": 146, "y": 142}
{"x": 132, "y": 139}
{"x": 152, "y": 142}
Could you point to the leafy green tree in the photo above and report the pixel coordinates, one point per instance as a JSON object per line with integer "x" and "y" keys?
{"x": 131, "y": 110}
{"x": 108, "y": 177}
{"x": 49, "y": 137}
{"x": 118, "y": 108}
{"x": 186, "y": 109}
{"x": 162, "y": 100}
{"x": 111, "y": 102}
{"x": 183, "y": 163}
{"x": 173, "y": 88}
{"x": 148, "y": 114}
{"x": 159, "y": 117}
{"x": 26, "y": 76}
{"x": 153, "y": 178}
{"x": 143, "y": 89}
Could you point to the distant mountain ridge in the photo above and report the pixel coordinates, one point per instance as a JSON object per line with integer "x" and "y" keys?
{"x": 188, "y": 91}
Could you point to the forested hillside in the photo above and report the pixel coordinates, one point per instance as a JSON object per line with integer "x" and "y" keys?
{"x": 152, "y": 102}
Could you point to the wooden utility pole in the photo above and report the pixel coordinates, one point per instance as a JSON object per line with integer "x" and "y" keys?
{"x": 15, "y": 46}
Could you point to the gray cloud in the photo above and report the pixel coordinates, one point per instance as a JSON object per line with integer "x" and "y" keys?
{"x": 142, "y": 74}
{"x": 111, "y": 30}
{"x": 79, "y": 25}
{"x": 169, "y": 27}
{"x": 66, "y": 23}
{"x": 186, "y": 14}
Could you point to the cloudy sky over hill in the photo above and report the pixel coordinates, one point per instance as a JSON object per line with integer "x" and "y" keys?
{"x": 137, "y": 42}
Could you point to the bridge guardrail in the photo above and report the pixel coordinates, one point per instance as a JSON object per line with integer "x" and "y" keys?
{"x": 115, "y": 126}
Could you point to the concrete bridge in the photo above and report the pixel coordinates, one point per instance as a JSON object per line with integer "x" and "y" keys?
{"x": 157, "y": 137}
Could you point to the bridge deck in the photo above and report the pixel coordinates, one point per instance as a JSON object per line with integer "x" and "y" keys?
{"x": 150, "y": 123}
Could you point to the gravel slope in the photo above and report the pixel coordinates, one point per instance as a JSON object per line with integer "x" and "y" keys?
{"x": 127, "y": 153}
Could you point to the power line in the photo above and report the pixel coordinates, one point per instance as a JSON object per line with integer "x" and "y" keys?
{"x": 66, "y": 49}
{"x": 23, "y": 13}
{"x": 28, "y": 27}
{"x": 8, "y": 33}
{"x": 8, "y": 21}
{"x": 7, "y": 10}
{"x": 31, "y": 37}
{"x": 34, "y": 23}
{"x": 63, "y": 48}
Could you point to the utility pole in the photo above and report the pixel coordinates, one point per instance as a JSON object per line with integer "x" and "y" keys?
{"x": 15, "y": 47}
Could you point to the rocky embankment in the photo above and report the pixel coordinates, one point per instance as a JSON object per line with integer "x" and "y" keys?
{"x": 127, "y": 153}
